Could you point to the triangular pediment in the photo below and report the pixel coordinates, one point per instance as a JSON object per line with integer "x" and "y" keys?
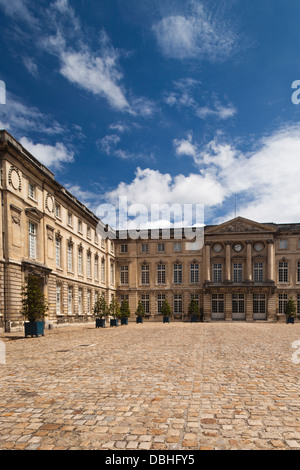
{"x": 241, "y": 225}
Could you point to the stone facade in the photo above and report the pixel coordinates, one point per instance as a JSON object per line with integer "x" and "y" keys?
{"x": 244, "y": 270}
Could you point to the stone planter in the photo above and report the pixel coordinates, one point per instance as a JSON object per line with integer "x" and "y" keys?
{"x": 139, "y": 319}
{"x": 34, "y": 328}
{"x": 166, "y": 319}
{"x": 114, "y": 322}
{"x": 124, "y": 321}
{"x": 290, "y": 320}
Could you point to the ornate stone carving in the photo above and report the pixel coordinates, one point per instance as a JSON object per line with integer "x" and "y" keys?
{"x": 49, "y": 203}
{"x": 14, "y": 178}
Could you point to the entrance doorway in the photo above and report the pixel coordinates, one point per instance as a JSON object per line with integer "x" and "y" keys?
{"x": 238, "y": 307}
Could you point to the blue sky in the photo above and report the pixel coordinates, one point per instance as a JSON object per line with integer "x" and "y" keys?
{"x": 184, "y": 102}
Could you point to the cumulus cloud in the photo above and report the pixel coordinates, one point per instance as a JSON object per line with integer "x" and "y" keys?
{"x": 195, "y": 34}
{"x": 52, "y": 156}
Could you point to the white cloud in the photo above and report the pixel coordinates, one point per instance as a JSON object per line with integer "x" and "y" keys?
{"x": 18, "y": 9}
{"x": 195, "y": 34}
{"x": 51, "y": 156}
{"x": 30, "y": 66}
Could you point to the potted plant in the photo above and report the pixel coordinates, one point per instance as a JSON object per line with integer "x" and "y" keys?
{"x": 290, "y": 311}
{"x": 194, "y": 311}
{"x": 114, "y": 312}
{"x": 124, "y": 312}
{"x": 140, "y": 312}
{"x": 166, "y": 311}
{"x": 34, "y": 307}
{"x": 101, "y": 312}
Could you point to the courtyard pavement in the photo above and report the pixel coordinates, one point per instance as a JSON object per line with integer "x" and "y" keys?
{"x": 152, "y": 386}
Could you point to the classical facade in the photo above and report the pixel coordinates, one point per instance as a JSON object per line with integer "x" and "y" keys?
{"x": 244, "y": 271}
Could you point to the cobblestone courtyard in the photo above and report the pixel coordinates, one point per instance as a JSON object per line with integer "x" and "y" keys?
{"x": 152, "y": 386}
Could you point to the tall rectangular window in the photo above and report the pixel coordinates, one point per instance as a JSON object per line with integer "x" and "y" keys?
{"x": 70, "y": 219}
{"x": 80, "y": 261}
{"x": 194, "y": 273}
{"x": 161, "y": 274}
{"x": 103, "y": 270}
{"x": 177, "y": 273}
{"x": 79, "y": 301}
{"x": 237, "y": 272}
{"x": 258, "y": 272}
{"x": 298, "y": 271}
{"x": 31, "y": 191}
{"x": 238, "y": 303}
{"x": 70, "y": 300}
{"x": 160, "y": 247}
{"x": 88, "y": 265}
{"x": 70, "y": 257}
{"x": 124, "y": 275}
{"x": 283, "y": 244}
{"x": 144, "y": 247}
{"x": 259, "y": 303}
{"x": 146, "y": 303}
{"x": 160, "y": 300}
{"x": 58, "y": 299}
{"x": 32, "y": 240}
{"x": 196, "y": 298}
{"x": 217, "y": 303}
{"x": 96, "y": 268}
{"x": 112, "y": 274}
{"x": 145, "y": 274}
{"x": 177, "y": 303}
{"x": 282, "y": 302}
{"x": 298, "y": 304}
{"x": 177, "y": 247}
{"x": 124, "y": 248}
{"x": 283, "y": 272}
{"x": 58, "y": 252}
{"x": 88, "y": 302}
{"x": 217, "y": 272}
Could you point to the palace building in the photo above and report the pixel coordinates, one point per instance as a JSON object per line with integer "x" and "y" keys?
{"x": 245, "y": 270}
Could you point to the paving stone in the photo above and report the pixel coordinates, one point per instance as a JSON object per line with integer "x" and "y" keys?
{"x": 189, "y": 386}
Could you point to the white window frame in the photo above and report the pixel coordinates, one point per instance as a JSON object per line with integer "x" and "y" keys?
{"x": 32, "y": 241}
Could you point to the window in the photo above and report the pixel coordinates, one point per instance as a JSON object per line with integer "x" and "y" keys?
{"x": 79, "y": 301}
{"x": 177, "y": 273}
{"x": 124, "y": 248}
{"x": 194, "y": 273}
{"x": 112, "y": 247}
{"x": 88, "y": 265}
{"x": 70, "y": 219}
{"x": 217, "y": 272}
{"x": 103, "y": 270}
{"x": 283, "y": 244}
{"x": 80, "y": 226}
{"x": 58, "y": 251}
{"x": 70, "y": 257}
{"x": 238, "y": 303}
{"x": 70, "y": 300}
{"x": 258, "y": 272}
{"x": 160, "y": 247}
{"x": 124, "y": 275}
{"x": 283, "y": 273}
{"x": 259, "y": 303}
{"x": 102, "y": 243}
{"x": 58, "y": 299}
{"x": 145, "y": 274}
{"x": 112, "y": 274}
{"x": 88, "y": 302}
{"x": 32, "y": 240}
{"x": 161, "y": 274}
{"x": 217, "y": 303}
{"x": 282, "y": 301}
{"x": 124, "y": 297}
{"x": 31, "y": 191}
{"x": 80, "y": 261}
{"x": 88, "y": 232}
{"x": 146, "y": 303}
{"x": 57, "y": 211}
{"x": 160, "y": 300}
{"x": 96, "y": 268}
{"x": 298, "y": 271}
{"x": 177, "y": 303}
{"x": 177, "y": 247}
{"x": 237, "y": 272}
{"x": 298, "y": 304}
{"x": 145, "y": 247}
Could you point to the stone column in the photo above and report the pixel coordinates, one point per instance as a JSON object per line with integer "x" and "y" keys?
{"x": 228, "y": 262}
{"x": 207, "y": 261}
{"x": 249, "y": 261}
{"x": 271, "y": 260}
